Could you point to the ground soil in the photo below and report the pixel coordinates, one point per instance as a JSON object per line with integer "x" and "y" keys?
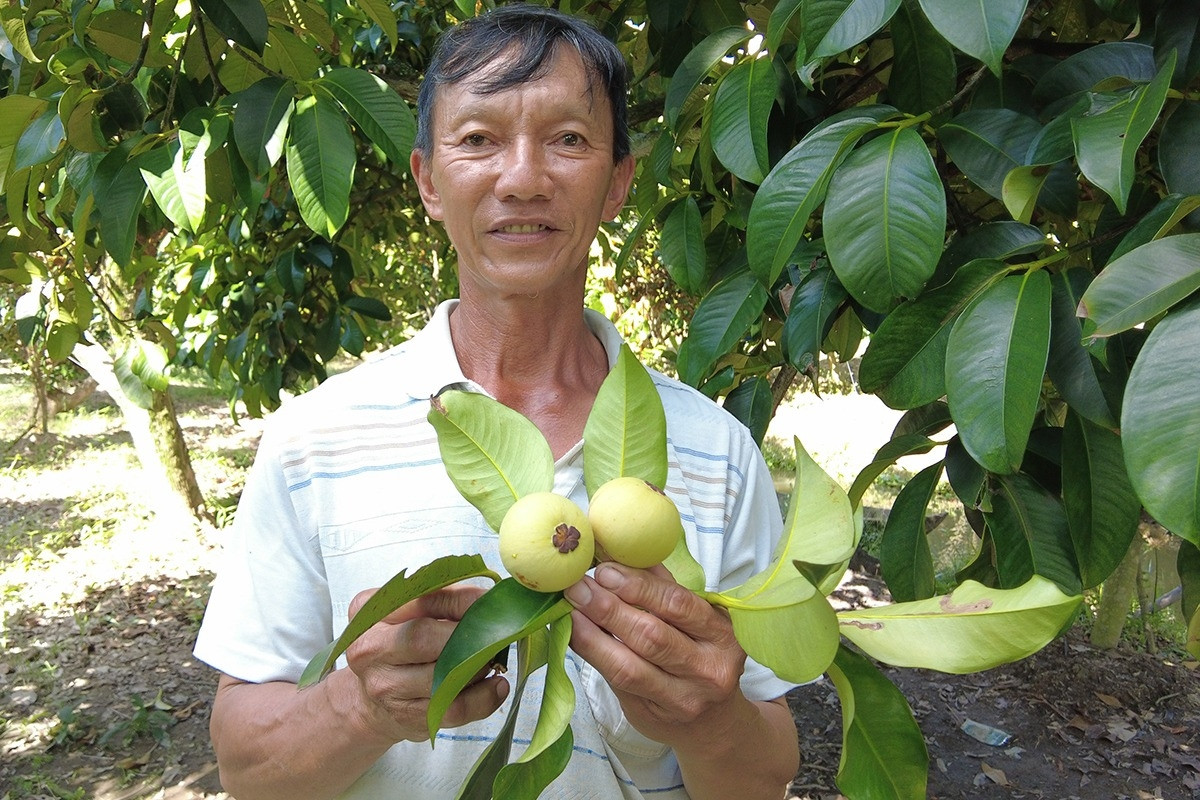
{"x": 100, "y": 697}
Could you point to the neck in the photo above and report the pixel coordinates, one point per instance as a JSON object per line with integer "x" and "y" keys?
{"x": 535, "y": 355}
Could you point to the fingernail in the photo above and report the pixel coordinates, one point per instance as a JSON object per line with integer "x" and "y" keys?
{"x": 579, "y": 593}
{"x": 609, "y": 577}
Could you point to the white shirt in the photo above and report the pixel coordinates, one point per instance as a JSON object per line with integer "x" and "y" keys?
{"x": 348, "y": 487}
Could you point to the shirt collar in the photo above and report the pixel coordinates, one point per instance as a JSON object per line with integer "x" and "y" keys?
{"x": 436, "y": 363}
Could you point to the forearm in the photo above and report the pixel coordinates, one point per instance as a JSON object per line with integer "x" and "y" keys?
{"x": 273, "y": 741}
{"x": 752, "y": 755}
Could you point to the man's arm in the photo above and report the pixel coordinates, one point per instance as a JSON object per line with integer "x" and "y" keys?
{"x": 674, "y": 664}
{"x": 273, "y": 741}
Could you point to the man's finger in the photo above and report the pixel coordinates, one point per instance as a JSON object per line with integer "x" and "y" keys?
{"x": 448, "y": 603}
{"x": 637, "y": 631}
{"x": 664, "y": 598}
{"x": 625, "y": 670}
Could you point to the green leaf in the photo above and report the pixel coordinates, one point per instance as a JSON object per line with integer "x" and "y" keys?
{"x": 493, "y": 454}
{"x": 531, "y": 656}
{"x": 1106, "y": 143}
{"x": 1029, "y": 529}
{"x": 796, "y": 658}
{"x": 260, "y": 122}
{"x": 883, "y": 751}
{"x": 626, "y": 430}
{"x": 118, "y": 33}
{"x": 320, "y": 165}
{"x": 157, "y": 171}
{"x": 1157, "y": 222}
{"x": 549, "y": 749}
{"x": 741, "y": 109}
{"x": 503, "y": 614}
{"x": 753, "y": 405}
{"x": 988, "y": 143}
{"x": 1187, "y": 564}
{"x": 681, "y": 246}
{"x": 904, "y": 363}
{"x": 375, "y": 107}
{"x": 982, "y": 30}
{"x": 1160, "y": 423}
{"x": 923, "y": 68}
{"x": 905, "y": 559}
{"x": 721, "y": 319}
{"x": 995, "y": 360}
{"x": 1102, "y": 509}
{"x": 1083, "y": 72}
{"x": 119, "y": 191}
{"x": 380, "y": 12}
{"x": 400, "y": 589}
{"x": 1178, "y": 149}
{"x": 833, "y": 26}
{"x": 819, "y": 530}
{"x": 1142, "y": 284}
{"x": 369, "y": 307}
{"x": 1070, "y": 366}
{"x": 1192, "y": 645}
{"x": 901, "y": 445}
{"x": 290, "y": 56}
{"x": 885, "y": 219}
{"x": 16, "y": 112}
{"x": 39, "y": 141}
{"x": 1000, "y": 240}
{"x": 809, "y": 317}
{"x": 61, "y": 338}
{"x": 243, "y": 21}
{"x": 973, "y": 628}
{"x": 925, "y": 420}
{"x": 1021, "y": 189}
{"x": 13, "y": 23}
{"x": 684, "y": 568}
{"x": 777, "y": 25}
{"x": 696, "y": 65}
{"x": 796, "y": 185}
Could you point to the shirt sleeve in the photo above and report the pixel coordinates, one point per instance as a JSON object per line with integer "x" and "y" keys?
{"x": 269, "y": 612}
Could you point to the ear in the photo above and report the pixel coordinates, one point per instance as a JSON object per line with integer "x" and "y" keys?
{"x": 618, "y": 188}
{"x": 421, "y": 168}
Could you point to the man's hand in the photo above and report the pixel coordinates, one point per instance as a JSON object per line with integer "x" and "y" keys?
{"x": 670, "y": 657}
{"x": 674, "y": 664}
{"x": 394, "y": 662}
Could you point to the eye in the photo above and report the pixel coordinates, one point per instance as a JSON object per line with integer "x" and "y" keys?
{"x": 475, "y": 140}
{"x": 572, "y": 140}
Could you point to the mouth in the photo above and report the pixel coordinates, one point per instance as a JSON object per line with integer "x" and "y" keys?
{"x": 519, "y": 229}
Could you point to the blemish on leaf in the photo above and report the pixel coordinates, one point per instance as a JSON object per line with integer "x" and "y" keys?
{"x": 966, "y": 608}
{"x": 866, "y": 626}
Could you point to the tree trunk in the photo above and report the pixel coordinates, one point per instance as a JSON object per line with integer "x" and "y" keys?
{"x": 171, "y": 487}
{"x": 1116, "y": 597}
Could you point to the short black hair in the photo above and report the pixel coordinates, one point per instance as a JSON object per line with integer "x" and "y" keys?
{"x": 528, "y": 37}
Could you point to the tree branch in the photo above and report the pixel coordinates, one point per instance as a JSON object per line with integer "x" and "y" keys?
{"x": 148, "y": 23}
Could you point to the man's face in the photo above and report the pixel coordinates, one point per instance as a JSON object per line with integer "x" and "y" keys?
{"x": 522, "y": 178}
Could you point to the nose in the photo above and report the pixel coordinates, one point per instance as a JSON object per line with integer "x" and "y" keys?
{"x": 524, "y": 172}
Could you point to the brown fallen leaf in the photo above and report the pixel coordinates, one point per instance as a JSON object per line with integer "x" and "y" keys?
{"x": 996, "y": 776}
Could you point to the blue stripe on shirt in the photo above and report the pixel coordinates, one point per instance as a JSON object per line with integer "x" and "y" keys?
{"x": 293, "y": 487}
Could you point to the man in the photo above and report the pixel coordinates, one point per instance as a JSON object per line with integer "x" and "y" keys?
{"x": 521, "y": 152}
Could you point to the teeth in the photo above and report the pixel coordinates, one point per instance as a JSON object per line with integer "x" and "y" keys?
{"x": 523, "y": 228}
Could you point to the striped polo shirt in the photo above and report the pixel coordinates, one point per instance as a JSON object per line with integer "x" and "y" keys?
{"x": 348, "y": 487}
